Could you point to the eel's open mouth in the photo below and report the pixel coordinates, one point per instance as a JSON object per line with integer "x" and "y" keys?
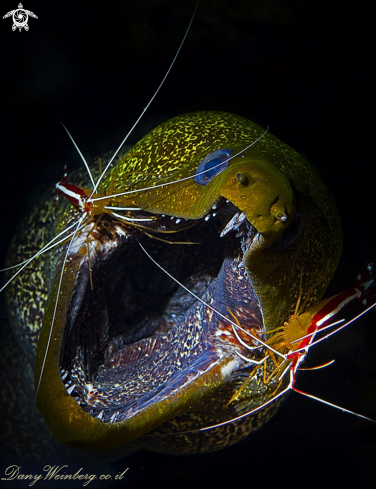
{"x": 132, "y": 334}
{"x": 123, "y": 350}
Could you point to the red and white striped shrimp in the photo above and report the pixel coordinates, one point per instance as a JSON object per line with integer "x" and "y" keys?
{"x": 289, "y": 346}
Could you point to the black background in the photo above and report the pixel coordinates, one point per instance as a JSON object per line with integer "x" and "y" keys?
{"x": 302, "y": 67}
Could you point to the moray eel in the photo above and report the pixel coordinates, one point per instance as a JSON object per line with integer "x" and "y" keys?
{"x": 131, "y": 355}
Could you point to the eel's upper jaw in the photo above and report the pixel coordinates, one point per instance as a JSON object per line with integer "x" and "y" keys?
{"x": 135, "y": 349}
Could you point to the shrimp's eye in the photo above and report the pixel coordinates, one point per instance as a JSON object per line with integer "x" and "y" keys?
{"x": 213, "y": 164}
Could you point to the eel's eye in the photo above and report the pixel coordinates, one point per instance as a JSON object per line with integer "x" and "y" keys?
{"x": 213, "y": 164}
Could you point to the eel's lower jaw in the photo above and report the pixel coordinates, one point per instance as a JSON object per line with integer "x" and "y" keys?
{"x": 164, "y": 350}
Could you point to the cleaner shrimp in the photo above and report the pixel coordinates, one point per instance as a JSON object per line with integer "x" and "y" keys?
{"x": 290, "y": 343}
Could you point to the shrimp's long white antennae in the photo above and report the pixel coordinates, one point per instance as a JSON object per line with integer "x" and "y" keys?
{"x": 316, "y": 332}
{"x": 333, "y": 405}
{"x": 338, "y": 329}
{"x": 49, "y": 246}
{"x": 82, "y": 156}
{"x": 147, "y": 106}
{"x": 180, "y": 179}
{"x": 290, "y": 386}
{"x": 272, "y": 399}
{"x": 55, "y": 306}
{"x": 232, "y": 420}
{"x": 131, "y": 219}
{"x": 319, "y": 367}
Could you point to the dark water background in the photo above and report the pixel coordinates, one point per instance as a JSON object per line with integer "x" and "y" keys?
{"x": 302, "y": 67}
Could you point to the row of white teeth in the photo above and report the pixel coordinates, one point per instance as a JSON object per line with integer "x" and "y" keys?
{"x": 233, "y": 224}
{"x": 214, "y": 207}
{"x": 236, "y": 221}
{"x": 70, "y": 388}
{"x": 100, "y": 416}
{"x": 173, "y": 218}
{"x": 178, "y": 219}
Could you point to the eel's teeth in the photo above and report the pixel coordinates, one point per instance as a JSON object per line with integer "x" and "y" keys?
{"x": 71, "y": 389}
{"x": 113, "y": 417}
{"x": 236, "y": 220}
{"x": 248, "y": 241}
{"x": 229, "y": 226}
{"x": 64, "y": 376}
{"x": 100, "y": 415}
{"x": 240, "y": 220}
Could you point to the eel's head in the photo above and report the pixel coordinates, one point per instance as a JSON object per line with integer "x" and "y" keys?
{"x": 248, "y": 231}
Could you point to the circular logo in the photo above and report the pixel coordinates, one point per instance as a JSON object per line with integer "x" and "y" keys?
{"x": 20, "y": 18}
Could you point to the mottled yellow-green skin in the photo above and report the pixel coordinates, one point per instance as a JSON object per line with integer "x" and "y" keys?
{"x": 174, "y": 151}
{"x": 279, "y": 180}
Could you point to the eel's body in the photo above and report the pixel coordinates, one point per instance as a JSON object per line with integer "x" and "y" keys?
{"x": 142, "y": 354}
